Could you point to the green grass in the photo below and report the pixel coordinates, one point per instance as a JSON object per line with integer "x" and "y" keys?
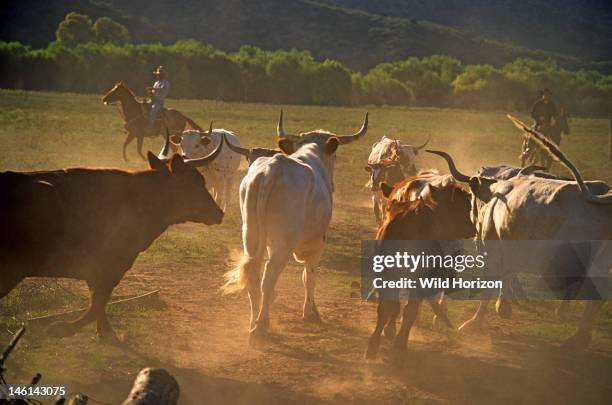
{"x": 49, "y": 131}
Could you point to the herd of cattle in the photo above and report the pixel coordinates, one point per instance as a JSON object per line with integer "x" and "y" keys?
{"x": 91, "y": 224}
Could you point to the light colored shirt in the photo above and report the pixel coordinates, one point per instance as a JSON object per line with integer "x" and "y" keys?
{"x": 160, "y": 90}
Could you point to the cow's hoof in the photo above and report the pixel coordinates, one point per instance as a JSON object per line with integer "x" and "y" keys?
{"x": 504, "y": 309}
{"x": 258, "y": 335}
{"x": 390, "y": 331}
{"x": 109, "y": 338}
{"x": 312, "y": 316}
{"x": 61, "y": 329}
{"x": 473, "y": 326}
{"x": 578, "y": 342}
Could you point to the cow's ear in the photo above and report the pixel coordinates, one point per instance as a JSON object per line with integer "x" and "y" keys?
{"x": 331, "y": 144}
{"x": 205, "y": 140}
{"x": 481, "y": 188}
{"x": 154, "y": 162}
{"x": 368, "y": 169}
{"x": 175, "y": 139}
{"x": 385, "y": 189}
{"x": 287, "y": 146}
{"x": 177, "y": 164}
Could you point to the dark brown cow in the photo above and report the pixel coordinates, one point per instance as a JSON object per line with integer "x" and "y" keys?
{"x": 439, "y": 213}
{"x": 91, "y": 224}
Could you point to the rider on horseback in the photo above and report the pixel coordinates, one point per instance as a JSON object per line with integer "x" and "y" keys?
{"x": 544, "y": 111}
{"x": 544, "y": 114}
{"x": 157, "y": 95}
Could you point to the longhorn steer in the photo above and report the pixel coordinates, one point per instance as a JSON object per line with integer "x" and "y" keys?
{"x": 390, "y": 161}
{"x": 91, "y": 224}
{"x": 434, "y": 208}
{"x": 534, "y": 208}
{"x": 220, "y": 173}
{"x": 286, "y": 206}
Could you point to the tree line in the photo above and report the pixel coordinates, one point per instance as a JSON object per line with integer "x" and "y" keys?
{"x": 91, "y": 57}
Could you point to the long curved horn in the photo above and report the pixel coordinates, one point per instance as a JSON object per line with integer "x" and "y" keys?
{"x": 451, "y": 165}
{"x": 238, "y": 149}
{"x": 203, "y": 161}
{"x": 163, "y": 154}
{"x": 210, "y": 129}
{"x": 344, "y": 139}
{"x": 416, "y": 148}
{"x": 553, "y": 150}
{"x": 280, "y": 131}
{"x": 526, "y": 171}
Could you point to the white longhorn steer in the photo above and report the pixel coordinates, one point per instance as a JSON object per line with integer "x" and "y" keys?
{"x": 390, "y": 161}
{"x": 286, "y": 206}
{"x": 535, "y": 208}
{"x": 220, "y": 173}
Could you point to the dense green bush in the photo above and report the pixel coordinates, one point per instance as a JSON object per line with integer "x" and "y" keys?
{"x": 251, "y": 74}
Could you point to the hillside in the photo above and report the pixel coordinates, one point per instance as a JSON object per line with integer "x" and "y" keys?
{"x": 573, "y": 27}
{"x": 356, "y": 38}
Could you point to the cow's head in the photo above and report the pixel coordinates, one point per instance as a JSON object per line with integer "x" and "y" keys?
{"x": 482, "y": 188}
{"x": 194, "y": 143}
{"x": 446, "y": 201}
{"x": 398, "y": 164}
{"x": 326, "y": 142}
{"x": 184, "y": 190}
{"x": 252, "y": 154}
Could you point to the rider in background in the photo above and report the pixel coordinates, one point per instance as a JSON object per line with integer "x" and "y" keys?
{"x": 158, "y": 94}
{"x": 543, "y": 111}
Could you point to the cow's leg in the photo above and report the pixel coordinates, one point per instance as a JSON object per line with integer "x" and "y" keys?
{"x": 127, "y": 141}
{"x": 387, "y": 312}
{"x": 503, "y": 305}
{"x": 477, "y": 323}
{"x": 227, "y": 190}
{"x": 275, "y": 265}
{"x": 99, "y": 296}
{"x": 440, "y": 311}
{"x": 582, "y": 337}
{"x": 139, "y": 147}
{"x": 252, "y": 273}
{"x": 409, "y": 316}
{"x": 309, "y": 278}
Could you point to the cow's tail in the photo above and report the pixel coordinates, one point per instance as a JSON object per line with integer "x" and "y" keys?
{"x": 555, "y": 152}
{"x": 253, "y": 232}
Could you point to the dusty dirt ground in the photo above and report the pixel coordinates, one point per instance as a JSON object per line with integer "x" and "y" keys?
{"x": 207, "y": 350}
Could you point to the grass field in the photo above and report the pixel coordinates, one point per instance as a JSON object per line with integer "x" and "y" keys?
{"x": 201, "y": 336}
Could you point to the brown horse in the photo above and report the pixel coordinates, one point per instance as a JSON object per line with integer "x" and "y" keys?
{"x": 532, "y": 154}
{"x": 135, "y": 115}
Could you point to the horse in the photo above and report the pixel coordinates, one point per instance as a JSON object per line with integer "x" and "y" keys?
{"x": 135, "y": 115}
{"x": 532, "y": 154}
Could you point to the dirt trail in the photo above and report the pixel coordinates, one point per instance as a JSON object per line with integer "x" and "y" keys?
{"x": 206, "y": 336}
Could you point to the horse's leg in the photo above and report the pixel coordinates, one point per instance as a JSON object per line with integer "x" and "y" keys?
{"x": 409, "y": 315}
{"x": 127, "y": 141}
{"x": 387, "y": 312}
